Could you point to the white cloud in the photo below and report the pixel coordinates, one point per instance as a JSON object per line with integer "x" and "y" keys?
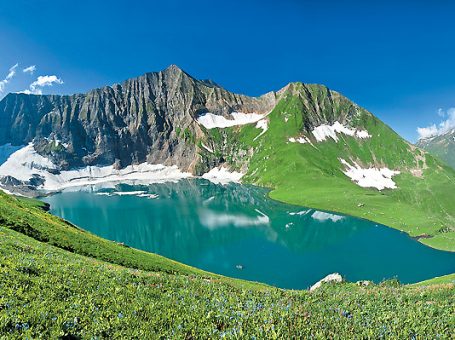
{"x": 442, "y": 128}
{"x": 11, "y": 73}
{"x": 427, "y": 132}
{"x": 40, "y": 82}
{"x": 29, "y": 69}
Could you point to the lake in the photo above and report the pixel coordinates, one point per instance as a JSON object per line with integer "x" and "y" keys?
{"x": 237, "y": 231}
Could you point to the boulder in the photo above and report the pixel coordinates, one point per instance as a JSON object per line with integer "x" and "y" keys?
{"x": 335, "y": 277}
{"x": 364, "y": 283}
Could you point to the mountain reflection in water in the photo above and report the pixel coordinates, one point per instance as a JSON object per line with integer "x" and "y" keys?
{"x": 223, "y": 228}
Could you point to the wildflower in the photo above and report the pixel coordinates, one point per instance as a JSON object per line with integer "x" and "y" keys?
{"x": 346, "y": 314}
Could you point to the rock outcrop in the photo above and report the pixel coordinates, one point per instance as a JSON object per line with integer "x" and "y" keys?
{"x": 151, "y": 118}
{"x": 335, "y": 278}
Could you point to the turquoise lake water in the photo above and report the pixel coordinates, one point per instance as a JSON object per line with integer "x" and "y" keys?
{"x": 235, "y": 230}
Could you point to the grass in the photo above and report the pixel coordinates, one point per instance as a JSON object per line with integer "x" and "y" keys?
{"x": 437, "y": 280}
{"x": 311, "y": 175}
{"x": 48, "y": 292}
{"x": 27, "y": 217}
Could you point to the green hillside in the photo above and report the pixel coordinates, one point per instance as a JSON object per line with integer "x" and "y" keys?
{"x": 60, "y": 281}
{"x": 311, "y": 174}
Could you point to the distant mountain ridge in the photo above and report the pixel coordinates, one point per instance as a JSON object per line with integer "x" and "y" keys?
{"x": 442, "y": 146}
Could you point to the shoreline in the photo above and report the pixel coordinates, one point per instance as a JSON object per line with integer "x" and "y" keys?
{"x": 144, "y": 181}
{"x": 267, "y": 196}
{"x": 415, "y": 238}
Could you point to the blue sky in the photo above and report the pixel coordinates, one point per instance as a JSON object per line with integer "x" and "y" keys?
{"x": 394, "y": 58}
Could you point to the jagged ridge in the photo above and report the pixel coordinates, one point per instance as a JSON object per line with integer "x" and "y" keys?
{"x": 148, "y": 118}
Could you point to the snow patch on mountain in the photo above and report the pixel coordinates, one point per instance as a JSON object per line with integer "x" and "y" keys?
{"x": 379, "y": 178}
{"x": 26, "y": 163}
{"x": 262, "y": 124}
{"x": 324, "y": 131}
{"x": 7, "y": 150}
{"x": 211, "y": 121}
{"x": 301, "y": 140}
{"x": 222, "y": 175}
{"x": 207, "y": 148}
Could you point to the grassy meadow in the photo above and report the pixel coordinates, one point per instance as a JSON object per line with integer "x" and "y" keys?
{"x": 59, "y": 281}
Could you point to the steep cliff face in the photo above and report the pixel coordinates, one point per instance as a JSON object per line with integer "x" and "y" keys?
{"x": 150, "y": 118}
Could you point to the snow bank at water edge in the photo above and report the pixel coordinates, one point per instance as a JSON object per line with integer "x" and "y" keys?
{"x": 211, "y": 121}
{"x": 300, "y": 213}
{"x": 318, "y": 215}
{"x": 323, "y": 216}
{"x": 324, "y": 131}
{"x": 222, "y": 175}
{"x": 371, "y": 177}
{"x": 26, "y": 162}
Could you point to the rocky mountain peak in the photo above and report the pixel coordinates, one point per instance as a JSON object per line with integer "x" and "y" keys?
{"x": 173, "y": 69}
{"x": 151, "y": 118}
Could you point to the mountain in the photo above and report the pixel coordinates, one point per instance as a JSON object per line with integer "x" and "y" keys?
{"x": 311, "y": 145}
{"x": 442, "y": 146}
{"x": 148, "y": 118}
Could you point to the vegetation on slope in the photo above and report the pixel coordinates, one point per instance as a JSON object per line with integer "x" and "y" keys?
{"x": 311, "y": 174}
{"x": 27, "y": 217}
{"x": 49, "y": 292}
{"x": 437, "y": 280}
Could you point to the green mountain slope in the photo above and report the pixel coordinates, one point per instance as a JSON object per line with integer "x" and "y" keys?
{"x": 311, "y": 174}
{"x": 441, "y": 146}
{"x": 27, "y": 217}
{"x": 49, "y": 289}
